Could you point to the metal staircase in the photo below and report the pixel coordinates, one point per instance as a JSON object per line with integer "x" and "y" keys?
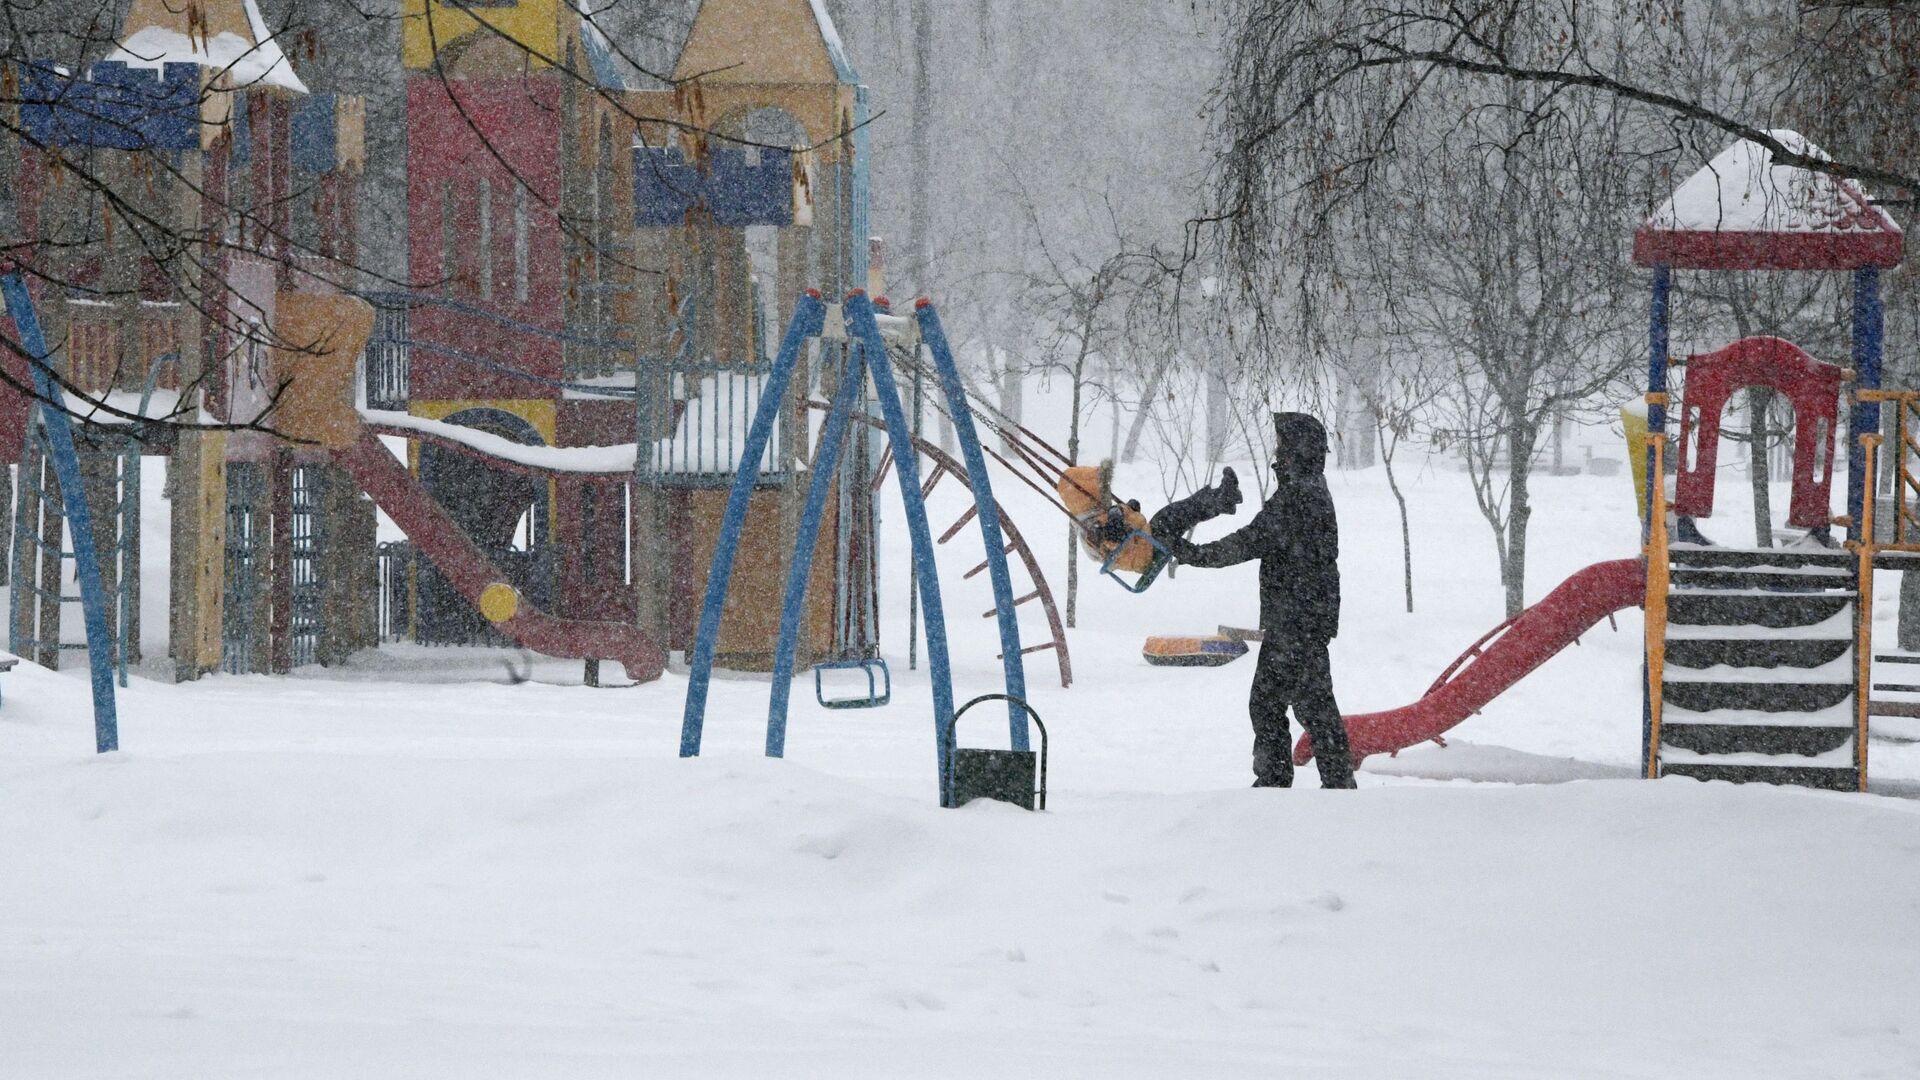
{"x": 1758, "y": 680}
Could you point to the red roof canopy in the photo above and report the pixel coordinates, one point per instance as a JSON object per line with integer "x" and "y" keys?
{"x": 1743, "y": 212}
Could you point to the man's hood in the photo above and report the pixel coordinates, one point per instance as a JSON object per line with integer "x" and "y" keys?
{"x": 1300, "y": 442}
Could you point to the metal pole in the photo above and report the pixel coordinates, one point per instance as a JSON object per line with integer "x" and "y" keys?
{"x": 1864, "y": 418}
{"x": 800, "y": 569}
{"x": 1657, "y": 345}
{"x": 66, "y": 465}
{"x": 809, "y": 315}
{"x": 906, "y": 469}
{"x": 1013, "y": 665}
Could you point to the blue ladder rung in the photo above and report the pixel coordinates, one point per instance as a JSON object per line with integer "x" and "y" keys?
{"x": 1161, "y": 557}
{"x": 877, "y": 694}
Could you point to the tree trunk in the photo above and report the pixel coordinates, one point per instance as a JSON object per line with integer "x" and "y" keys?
{"x": 921, "y": 168}
{"x": 1073, "y": 576}
{"x": 1219, "y": 422}
{"x": 1513, "y": 566}
{"x": 1406, "y": 532}
{"x": 1012, "y": 393}
{"x": 1759, "y": 472}
{"x": 1140, "y": 417}
{"x": 1073, "y": 458}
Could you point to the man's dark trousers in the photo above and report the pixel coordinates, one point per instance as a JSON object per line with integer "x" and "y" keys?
{"x": 1294, "y": 672}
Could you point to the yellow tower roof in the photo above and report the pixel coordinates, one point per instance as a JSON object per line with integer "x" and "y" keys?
{"x": 764, "y": 41}
{"x": 486, "y": 37}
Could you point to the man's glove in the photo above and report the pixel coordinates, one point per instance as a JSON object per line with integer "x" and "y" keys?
{"x": 1226, "y": 494}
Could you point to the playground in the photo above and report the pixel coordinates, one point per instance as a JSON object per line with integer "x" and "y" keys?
{"x": 568, "y": 671}
{"x": 408, "y": 860}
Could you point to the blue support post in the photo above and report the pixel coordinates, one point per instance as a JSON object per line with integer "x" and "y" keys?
{"x": 809, "y": 315}
{"x": 1658, "y": 339}
{"x": 66, "y": 465}
{"x": 1863, "y": 418}
{"x": 1012, "y": 664}
{"x": 800, "y": 570}
{"x": 906, "y": 469}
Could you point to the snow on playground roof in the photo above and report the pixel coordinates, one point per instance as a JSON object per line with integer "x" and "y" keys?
{"x": 1743, "y": 212}
{"x": 572, "y": 459}
{"x": 830, "y": 34}
{"x": 247, "y": 63}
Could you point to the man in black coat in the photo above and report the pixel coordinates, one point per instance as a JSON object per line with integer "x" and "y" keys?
{"x": 1297, "y": 541}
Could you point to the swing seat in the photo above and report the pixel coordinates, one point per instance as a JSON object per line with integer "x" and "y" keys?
{"x": 878, "y": 693}
{"x": 1018, "y": 777}
{"x": 1157, "y": 559}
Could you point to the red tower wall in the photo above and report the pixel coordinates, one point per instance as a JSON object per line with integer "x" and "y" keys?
{"x": 521, "y": 121}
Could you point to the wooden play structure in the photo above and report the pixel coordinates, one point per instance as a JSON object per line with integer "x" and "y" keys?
{"x": 207, "y": 131}
{"x": 594, "y": 264}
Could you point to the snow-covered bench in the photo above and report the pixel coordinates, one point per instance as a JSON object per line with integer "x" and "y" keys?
{"x": 6, "y": 664}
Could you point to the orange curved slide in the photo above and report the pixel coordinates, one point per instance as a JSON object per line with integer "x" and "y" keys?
{"x": 1497, "y": 661}
{"x": 473, "y": 575}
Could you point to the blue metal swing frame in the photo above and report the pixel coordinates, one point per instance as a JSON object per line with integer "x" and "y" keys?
{"x": 73, "y": 496}
{"x": 866, "y": 355}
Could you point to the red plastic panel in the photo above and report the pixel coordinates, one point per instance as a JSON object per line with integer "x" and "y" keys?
{"x": 14, "y": 402}
{"x": 1810, "y": 386}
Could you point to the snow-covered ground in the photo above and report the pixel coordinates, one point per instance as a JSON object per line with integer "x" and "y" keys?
{"x": 409, "y": 868}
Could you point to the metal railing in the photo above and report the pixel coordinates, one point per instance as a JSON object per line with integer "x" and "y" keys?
{"x": 388, "y": 358}
{"x": 692, "y": 413}
{"x": 396, "y": 590}
{"x": 1905, "y": 531}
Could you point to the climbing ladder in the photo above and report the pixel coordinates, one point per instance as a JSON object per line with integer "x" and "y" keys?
{"x": 945, "y": 465}
{"x": 42, "y": 550}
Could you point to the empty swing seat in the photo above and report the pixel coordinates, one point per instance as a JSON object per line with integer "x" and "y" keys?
{"x": 879, "y": 691}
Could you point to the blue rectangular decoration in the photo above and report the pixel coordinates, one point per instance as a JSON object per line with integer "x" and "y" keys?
{"x": 665, "y": 187}
{"x": 743, "y": 192}
{"x": 739, "y": 187}
{"x": 115, "y": 107}
{"x": 313, "y": 130}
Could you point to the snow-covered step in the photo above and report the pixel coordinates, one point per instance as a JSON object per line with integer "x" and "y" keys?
{"x": 1834, "y": 770}
{"x": 1799, "y": 558}
{"x": 1695, "y": 742}
{"x": 1839, "y": 715}
{"x": 1774, "y": 578}
{"x": 1794, "y": 697}
{"x": 1758, "y": 652}
{"x": 1837, "y": 757}
{"x": 1773, "y": 609}
{"x": 1839, "y": 670}
{"x": 1765, "y": 569}
{"x": 1835, "y": 627}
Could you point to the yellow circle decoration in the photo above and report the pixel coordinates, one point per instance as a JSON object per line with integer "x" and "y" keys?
{"x": 499, "y": 602}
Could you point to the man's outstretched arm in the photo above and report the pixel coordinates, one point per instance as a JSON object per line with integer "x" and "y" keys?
{"x": 1251, "y": 541}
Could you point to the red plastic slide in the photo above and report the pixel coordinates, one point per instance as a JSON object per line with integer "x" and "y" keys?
{"x": 395, "y": 490}
{"x": 1497, "y": 661}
